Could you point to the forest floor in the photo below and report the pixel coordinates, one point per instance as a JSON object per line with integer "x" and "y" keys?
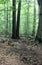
{"x": 20, "y": 52}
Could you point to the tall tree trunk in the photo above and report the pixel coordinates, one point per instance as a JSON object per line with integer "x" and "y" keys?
{"x": 7, "y": 19}
{"x": 14, "y": 20}
{"x": 39, "y": 31}
{"x": 34, "y": 23}
{"x": 18, "y": 19}
{"x": 27, "y": 18}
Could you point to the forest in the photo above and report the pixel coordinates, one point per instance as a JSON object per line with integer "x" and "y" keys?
{"x": 20, "y": 32}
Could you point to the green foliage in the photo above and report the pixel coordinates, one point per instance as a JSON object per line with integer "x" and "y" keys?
{"x": 26, "y": 18}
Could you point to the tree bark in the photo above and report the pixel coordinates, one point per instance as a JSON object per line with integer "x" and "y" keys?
{"x": 14, "y": 20}
{"x": 18, "y": 19}
{"x": 34, "y": 23}
{"x": 39, "y": 31}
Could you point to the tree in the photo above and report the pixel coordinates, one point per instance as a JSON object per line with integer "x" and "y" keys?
{"x": 27, "y": 18}
{"x": 14, "y": 20}
{"x": 7, "y": 19}
{"x": 18, "y": 19}
{"x": 34, "y": 23}
{"x": 39, "y": 31}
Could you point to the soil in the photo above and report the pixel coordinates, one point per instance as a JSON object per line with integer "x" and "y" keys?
{"x": 20, "y": 52}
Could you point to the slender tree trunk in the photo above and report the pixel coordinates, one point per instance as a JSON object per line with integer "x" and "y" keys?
{"x": 14, "y": 20}
{"x": 34, "y": 23}
{"x": 39, "y": 31}
{"x": 18, "y": 19}
{"x": 7, "y": 19}
{"x": 27, "y": 18}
